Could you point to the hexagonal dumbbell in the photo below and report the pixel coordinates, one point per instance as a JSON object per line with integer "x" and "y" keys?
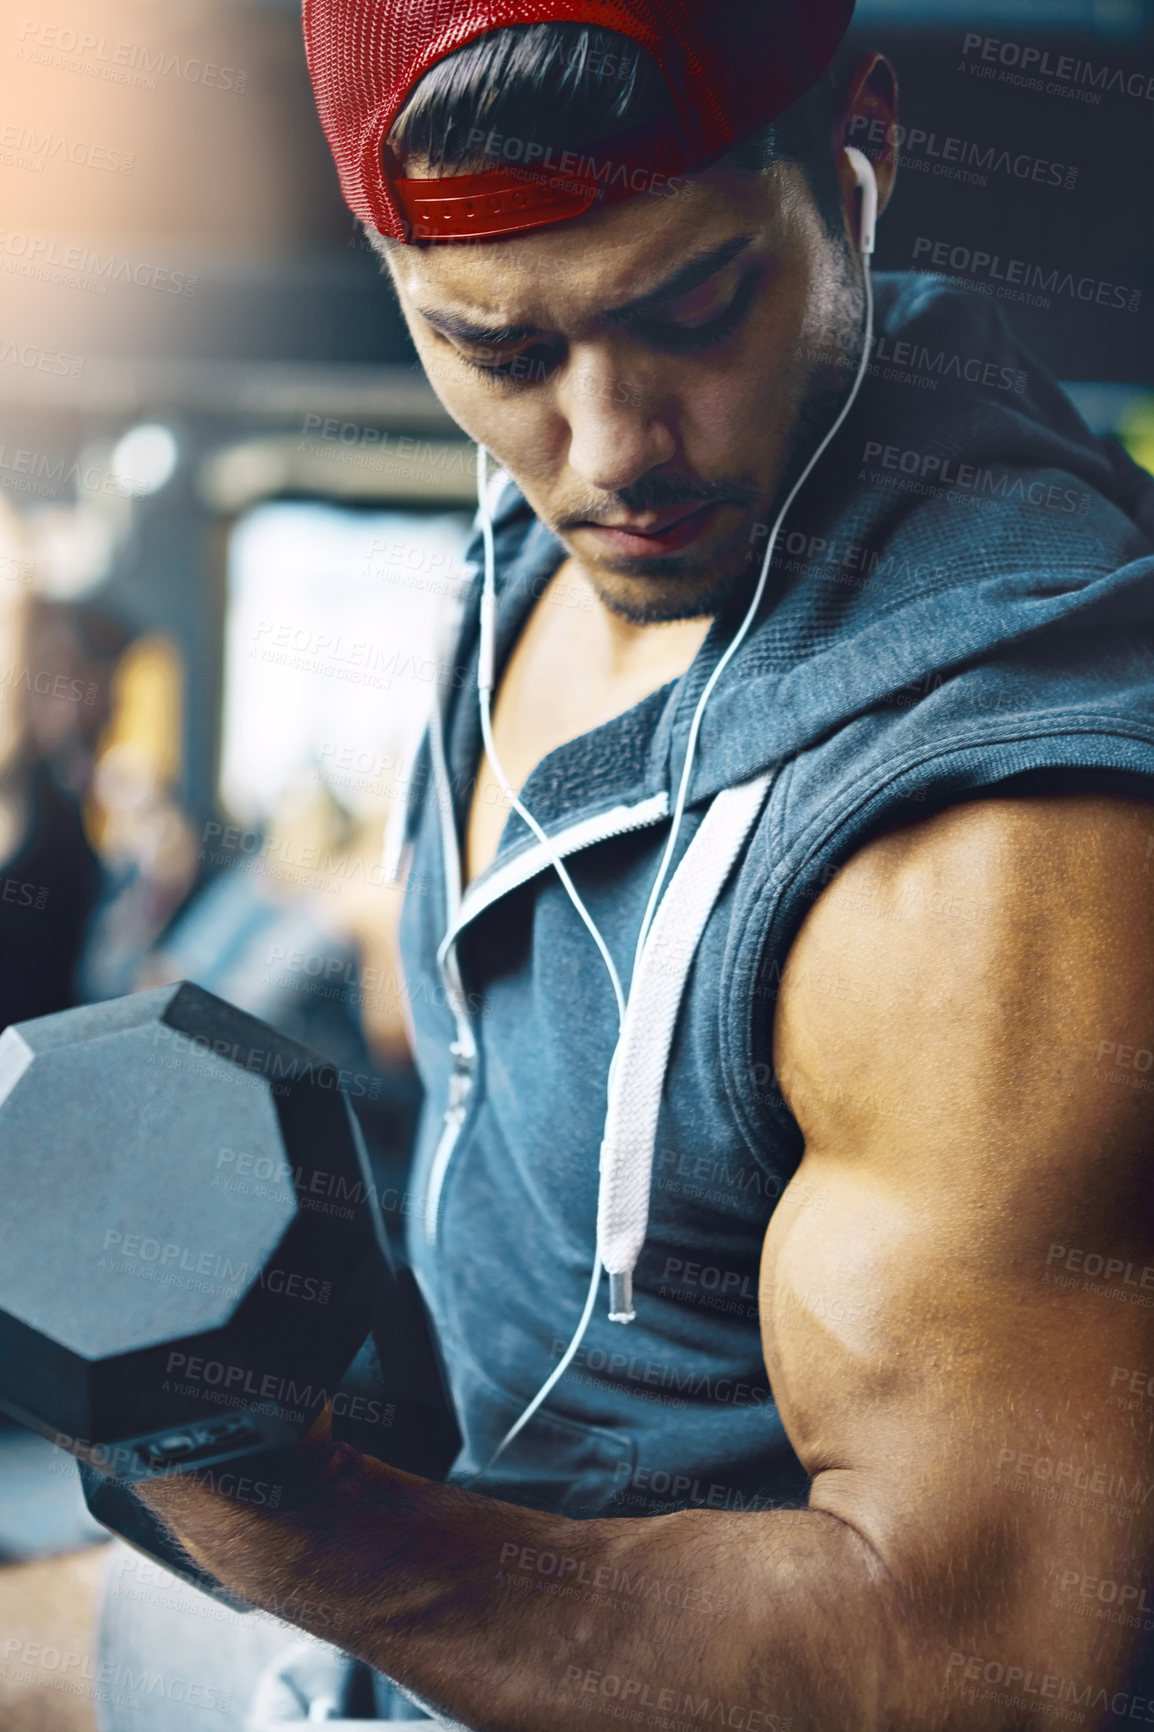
{"x": 191, "y": 1254}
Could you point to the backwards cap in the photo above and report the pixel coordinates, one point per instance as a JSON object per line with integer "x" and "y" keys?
{"x": 732, "y": 66}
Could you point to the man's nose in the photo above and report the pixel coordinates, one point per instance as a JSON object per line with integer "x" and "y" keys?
{"x": 618, "y": 431}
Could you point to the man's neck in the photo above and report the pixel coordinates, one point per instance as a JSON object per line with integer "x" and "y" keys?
{"x": 575, "y": 667}
{"x": 627, "y": 652}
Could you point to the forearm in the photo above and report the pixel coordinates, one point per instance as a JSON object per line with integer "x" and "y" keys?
{"x": 509, "y": 1618}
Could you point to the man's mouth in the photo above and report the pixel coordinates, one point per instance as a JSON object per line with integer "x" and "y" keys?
{"x": 655, "y": 533}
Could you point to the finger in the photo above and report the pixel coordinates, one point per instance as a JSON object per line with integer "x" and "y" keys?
{"x": 322, "y": 1430}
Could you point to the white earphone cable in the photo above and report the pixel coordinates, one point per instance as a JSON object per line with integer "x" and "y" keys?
{"x": 747, "y": 623}
{"x": 485, "y": 683}
{"x": 485, "y": 677}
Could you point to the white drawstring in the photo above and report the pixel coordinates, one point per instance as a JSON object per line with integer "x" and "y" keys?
{"x": 623, "y": 1207}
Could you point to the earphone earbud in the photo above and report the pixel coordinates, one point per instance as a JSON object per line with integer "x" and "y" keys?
{"x": 863, "y": 170}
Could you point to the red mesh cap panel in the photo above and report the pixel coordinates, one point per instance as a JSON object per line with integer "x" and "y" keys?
{"x": 732, "y": 66}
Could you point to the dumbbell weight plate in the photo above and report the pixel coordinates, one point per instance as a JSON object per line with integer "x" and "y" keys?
{"x": 156, "y": 1309}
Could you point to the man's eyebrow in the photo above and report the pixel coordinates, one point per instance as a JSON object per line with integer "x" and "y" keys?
{"x": 452, "y": 325}
{"x": 690, "y": 276}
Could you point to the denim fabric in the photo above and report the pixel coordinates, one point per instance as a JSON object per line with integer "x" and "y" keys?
{"x": 975, "y": 615}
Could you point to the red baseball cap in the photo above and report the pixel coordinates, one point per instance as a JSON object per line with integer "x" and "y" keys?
{"x": 733, "y": 66}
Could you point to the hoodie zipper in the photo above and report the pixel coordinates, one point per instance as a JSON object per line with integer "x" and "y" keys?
{"x": 464, "y": 1047}
{"x": 490, "y": 888}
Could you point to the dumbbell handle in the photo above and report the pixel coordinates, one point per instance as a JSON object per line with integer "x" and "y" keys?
{"x": 398, "y": 1360}
{"x": 116, "y": 1506}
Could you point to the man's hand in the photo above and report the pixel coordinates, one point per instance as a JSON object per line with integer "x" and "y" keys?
{"x": 247, "y": 1545}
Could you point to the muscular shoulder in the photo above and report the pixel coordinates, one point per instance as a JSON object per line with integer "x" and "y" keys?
{"x": 995, "y": 961}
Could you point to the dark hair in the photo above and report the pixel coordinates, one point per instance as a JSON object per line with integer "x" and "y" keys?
{"x": 576, "y": 87}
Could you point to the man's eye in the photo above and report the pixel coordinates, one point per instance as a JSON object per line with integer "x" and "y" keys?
{"x": 693, "y": 333}
{"x": 529, "y": 367}
{"x": 682, "y": 337}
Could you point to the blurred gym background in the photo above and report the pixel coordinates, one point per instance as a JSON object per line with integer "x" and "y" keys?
{"x": 232, "y": 515}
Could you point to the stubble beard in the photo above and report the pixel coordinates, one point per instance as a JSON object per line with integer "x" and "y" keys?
{"x": 678, "y": 591}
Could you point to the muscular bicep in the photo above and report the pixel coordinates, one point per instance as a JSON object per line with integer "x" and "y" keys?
{"x": 958, "y": 1287}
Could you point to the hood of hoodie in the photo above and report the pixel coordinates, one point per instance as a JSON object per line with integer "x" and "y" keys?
{"x": 962, "y": 597}
{"x": 964, "y": 508}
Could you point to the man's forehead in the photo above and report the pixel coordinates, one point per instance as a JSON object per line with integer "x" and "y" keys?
{"x": 613, "y": 259}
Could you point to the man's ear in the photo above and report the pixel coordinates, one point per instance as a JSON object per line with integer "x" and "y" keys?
{"x": 869, "y": 121}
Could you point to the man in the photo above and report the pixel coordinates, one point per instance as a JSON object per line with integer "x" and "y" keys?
{"x": 901, "y": 1046}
